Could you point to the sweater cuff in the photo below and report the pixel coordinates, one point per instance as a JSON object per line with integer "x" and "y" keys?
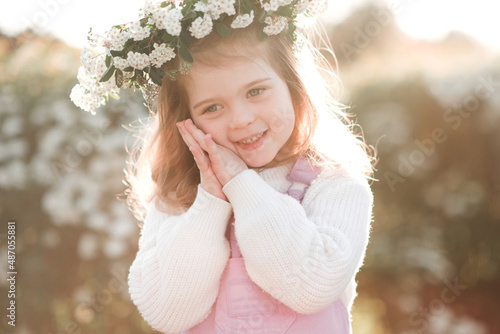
{"x": 247, "y": 191}
{"x": 209, "y": 212}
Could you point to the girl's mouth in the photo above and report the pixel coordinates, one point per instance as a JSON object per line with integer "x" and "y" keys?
{"x": 252, "y": 143}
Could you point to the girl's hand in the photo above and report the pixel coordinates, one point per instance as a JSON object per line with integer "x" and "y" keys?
{"x": 224, "y": 162}
{"x": 209, "y": 181}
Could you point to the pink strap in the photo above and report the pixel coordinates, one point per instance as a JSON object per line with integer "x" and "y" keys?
{"x": 302, "y": 172}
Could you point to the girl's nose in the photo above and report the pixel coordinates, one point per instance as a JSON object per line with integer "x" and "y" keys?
{"x": 241, "y": 117}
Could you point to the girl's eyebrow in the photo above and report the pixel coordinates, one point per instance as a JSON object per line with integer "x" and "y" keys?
{"x": 250, "y": 84}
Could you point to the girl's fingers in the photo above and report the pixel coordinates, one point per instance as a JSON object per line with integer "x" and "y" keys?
{"x": 213, "y": 151}
{"x": 200, "y": 159}
{"x": 209, "y": 181}
{"x": 196, "y": 133}
{"x": 186, "y": 136}
{"x": 218, "y": 164}
{"x": 190, "y": 134}
{"x": 225, "y": 163}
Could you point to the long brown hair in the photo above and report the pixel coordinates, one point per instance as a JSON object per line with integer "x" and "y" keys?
{"x": 172, "y": 168}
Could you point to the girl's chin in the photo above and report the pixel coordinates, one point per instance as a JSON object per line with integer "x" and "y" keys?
{"x": 257, "y": 160}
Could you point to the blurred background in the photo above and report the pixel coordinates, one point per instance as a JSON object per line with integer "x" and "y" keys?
{"x": 423, "y": 79}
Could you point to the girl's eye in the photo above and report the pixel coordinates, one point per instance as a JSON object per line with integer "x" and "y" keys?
{"x": 255, "y": 92}
{"x": 213, "y": 108}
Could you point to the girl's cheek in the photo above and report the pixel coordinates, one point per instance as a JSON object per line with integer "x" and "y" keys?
{"x": 202, "y": 125}
{"x": 281, "y": 119}
{"x": 218, "y": 133}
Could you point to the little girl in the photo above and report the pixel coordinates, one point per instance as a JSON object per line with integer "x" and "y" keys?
{"x": 259, "y": 212}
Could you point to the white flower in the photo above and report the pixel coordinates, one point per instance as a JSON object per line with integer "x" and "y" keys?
{"x": 301, "y": 6}
{"x": 270, "y": 6}
{"x": 150, "y": 7}
{"x": 137, "y": 32}
{"x": 218, "y": 7}
{"x": 116, "y": 38}
{"x": 120, "y": 63}
{"x": 87, "y": 59}
{"x": 93, "y": 39}
{"x": 85, "y": 99}
{"x": 138, "y": 60}
{"x": 201, "y": 27}
{"x": 317, "y": 6}
{"x": 242, "y": 21}
{"x": 89, "y": 93}
{"x": 161, "y": 54}
{"x": 173, "y": 27}
{"x": 159, "y": 18}
{"x": 100, "y": 67}
{"x": 201, "y": 7}
{"x": 168, "y": 19}
{"x": 276, "y": 24}
{"x": 228, "y": 7}
{"x": 173, "y": 22}
{"x": 108, "y": 87}
{"x": 85, "y": 79}
{"x": 176, "y": 13}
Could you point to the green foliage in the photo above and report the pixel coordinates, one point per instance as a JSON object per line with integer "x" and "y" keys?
{"x": 108, "y": 74}
{"x": 222, "y": 29}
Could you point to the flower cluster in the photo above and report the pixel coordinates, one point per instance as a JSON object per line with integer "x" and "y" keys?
{"x": 275, "y": 25}
{"x": 161, "y": 54}
{"x": 134, "y": 54}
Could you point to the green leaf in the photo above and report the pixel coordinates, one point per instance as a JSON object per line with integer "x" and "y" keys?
{"x": 143, "y": 43}
{"x": 185, "y": 54}
{"x": 108, "y": 60}
{"x": 156, "y": 74}
{"x": 290, "y": 33}
{"x": 128, "y": 69}
{"x": 167, "y": 38}
{"x": 246, "y": 6}
{"x": 262, "y": 35}
{"x": 222, "y": 29}
{"x": 186, "y": 8}
{"x": 189, "y": 16}
{"x": 115, "y": 53}
{"x": 186, "y": 38}
{"x": 262, "y": 16}
{"x": 128, "y": 48}
{"x": 285, "y": 11}
{"x": 119, "y": 78}
{"x": 107, "y": 75}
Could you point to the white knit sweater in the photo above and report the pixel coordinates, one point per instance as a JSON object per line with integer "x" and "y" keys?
{"x": 305, "y": 255}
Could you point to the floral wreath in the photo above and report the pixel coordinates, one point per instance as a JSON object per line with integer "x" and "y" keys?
{"x": 134, "y": 53}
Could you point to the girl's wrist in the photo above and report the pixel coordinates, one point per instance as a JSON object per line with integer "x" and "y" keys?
{"x": 235, "y": 172}
{"x": 214, "y": 191}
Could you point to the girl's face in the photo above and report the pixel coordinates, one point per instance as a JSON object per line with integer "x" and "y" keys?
{"x": 244, "y": 104}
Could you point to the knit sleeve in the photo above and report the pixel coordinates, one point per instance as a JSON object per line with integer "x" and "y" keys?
{"x": 174, "y": 279}
{"x": 303, "y": 255}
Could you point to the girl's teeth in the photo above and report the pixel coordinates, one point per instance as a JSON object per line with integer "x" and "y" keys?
{"x": 251, "y": 140}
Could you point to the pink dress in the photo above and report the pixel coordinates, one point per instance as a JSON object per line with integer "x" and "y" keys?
{"x": 242, "y": 307}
